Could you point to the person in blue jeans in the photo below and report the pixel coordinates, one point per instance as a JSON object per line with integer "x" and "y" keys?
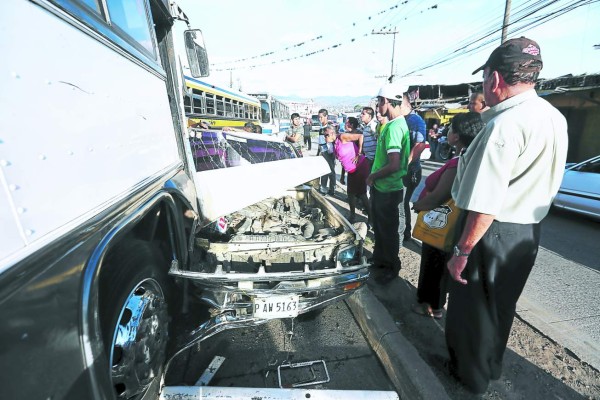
{"x": 327, "y": 152}
{"x": 433, "y": 140}
{"x": 417, "y": 130}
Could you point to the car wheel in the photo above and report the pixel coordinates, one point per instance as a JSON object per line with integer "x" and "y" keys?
{"x": 444, "y": 151}
{"x": 135, "y": 319}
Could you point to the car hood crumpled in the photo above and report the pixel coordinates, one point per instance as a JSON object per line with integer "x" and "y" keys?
{"x": 226, "y": 189}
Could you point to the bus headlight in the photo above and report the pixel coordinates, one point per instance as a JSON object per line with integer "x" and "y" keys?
{"x": 346, "y": 255}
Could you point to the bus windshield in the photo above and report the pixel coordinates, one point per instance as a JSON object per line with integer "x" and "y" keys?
{"x": 265, "y": 112}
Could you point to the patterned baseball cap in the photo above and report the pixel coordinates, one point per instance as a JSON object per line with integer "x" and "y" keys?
{"x": 515, "y": 55}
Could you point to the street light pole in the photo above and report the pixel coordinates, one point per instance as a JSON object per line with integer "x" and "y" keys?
{"x": 391, "y": 78}
{"x": 505, "y": 22}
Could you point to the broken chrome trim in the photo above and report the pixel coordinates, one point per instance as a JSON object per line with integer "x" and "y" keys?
{"x": 229, "y": 318}
{"x": 219, "y": 278}
{"x": 239, "y": 315}
{"x": 234, "y": 306}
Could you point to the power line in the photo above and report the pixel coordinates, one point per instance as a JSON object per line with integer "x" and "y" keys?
{"x": 463, "y": 51}
{"x": 306, "y": 42}
{"x": 309, "y": 54}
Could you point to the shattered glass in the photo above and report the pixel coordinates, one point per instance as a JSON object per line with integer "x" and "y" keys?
{"x": 219, "y": 149}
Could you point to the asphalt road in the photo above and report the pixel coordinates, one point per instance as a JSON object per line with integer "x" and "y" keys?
{"x": 252, "y": 355}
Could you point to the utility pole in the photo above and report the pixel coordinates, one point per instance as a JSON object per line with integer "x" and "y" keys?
{"x": 505, "y": 22}
{"x": 391, "y": 78}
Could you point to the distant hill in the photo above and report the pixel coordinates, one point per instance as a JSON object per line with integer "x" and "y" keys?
{"x": 337, "y": 102}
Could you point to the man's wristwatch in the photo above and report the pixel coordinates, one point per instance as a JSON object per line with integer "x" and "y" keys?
{"x": 458, "y": 252}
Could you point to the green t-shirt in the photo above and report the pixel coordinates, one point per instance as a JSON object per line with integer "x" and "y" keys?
{"x": 394, "y": 137}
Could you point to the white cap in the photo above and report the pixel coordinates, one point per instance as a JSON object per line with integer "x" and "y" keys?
{"x": 393, "y": 91}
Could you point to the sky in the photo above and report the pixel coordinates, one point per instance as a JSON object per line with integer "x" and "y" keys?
{"x": 429, "y": 31}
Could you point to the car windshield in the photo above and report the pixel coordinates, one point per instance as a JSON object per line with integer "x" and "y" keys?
{"x": 315, "y": 120}
{"x": 216, "y": 149}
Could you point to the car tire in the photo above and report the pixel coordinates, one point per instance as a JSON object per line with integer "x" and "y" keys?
{"x": 444, "y": 151}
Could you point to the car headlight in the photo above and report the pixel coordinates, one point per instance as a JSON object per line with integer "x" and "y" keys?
{"x": 346, "y": 255}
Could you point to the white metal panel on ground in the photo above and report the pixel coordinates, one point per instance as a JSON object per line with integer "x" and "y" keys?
{"x": 214, "y": 393}
{"x": 83, "y": 124}
{"x": 223, "y": 191}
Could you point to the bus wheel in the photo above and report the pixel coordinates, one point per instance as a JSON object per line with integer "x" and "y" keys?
{"x": 135, "y": 319}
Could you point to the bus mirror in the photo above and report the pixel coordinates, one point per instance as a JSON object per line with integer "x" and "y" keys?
{"x": 196, "y": 53}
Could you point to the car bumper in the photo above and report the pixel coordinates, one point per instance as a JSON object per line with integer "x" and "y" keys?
{"x": 231, "y": 300}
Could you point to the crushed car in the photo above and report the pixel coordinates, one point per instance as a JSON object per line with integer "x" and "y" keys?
{"x": 270, "y": 245}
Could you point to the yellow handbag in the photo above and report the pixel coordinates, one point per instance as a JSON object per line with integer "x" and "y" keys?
{"x": 437, "y": 227}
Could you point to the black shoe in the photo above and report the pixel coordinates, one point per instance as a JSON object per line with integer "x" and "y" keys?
{"x": 387, "y": 275}
{"x": 332, "y": 194}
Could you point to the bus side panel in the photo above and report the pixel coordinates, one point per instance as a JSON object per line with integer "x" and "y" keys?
{"x": 84, "y": 124}
{"x": 39, "y": 335}
{"x": 41, "y": 301}
{"x": 11, "y": 235}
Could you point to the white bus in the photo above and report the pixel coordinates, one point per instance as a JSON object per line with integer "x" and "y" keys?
{"x": 95, "y": 193}
{"x": 274, "y": 114}
{"x": 108, "y": 203}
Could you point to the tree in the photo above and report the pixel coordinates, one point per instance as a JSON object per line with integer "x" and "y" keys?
{"x": 358, "y": 108}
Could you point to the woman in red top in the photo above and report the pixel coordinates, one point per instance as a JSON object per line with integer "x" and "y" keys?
{"x": 431, "y": 293}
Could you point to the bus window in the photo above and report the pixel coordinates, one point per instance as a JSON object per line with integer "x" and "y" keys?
{"x": 132, "y": 18}
{"x": 197, "y": 105}
{"x": 93, "y": 4}
{"x": 228, "y": 108}
{"x": 197, "y": 101}
{"x": 210, "y": 103}
{"x": 220, "y": 106}
{"x": 187, "y": 104}
{"x": 265, "y": 112}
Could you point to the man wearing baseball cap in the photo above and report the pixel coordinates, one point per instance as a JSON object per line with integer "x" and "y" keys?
{"x": 506, "y": 181}
{"x": 389, "y": 166}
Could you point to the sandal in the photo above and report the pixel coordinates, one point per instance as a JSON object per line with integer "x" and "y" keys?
{"x": 426, "y": 310}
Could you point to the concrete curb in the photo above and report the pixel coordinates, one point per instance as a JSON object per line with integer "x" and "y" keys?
{"x": 410, "y": 374}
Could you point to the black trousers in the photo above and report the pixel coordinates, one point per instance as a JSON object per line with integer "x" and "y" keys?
{"x": 387, "y": 216}
{"x": 433, "y": 278}
{"x": 480, "y": 313}
{"x": 307, "y": 142}
{"x": 330, "y": 158}
{"x": 411, "y": 181}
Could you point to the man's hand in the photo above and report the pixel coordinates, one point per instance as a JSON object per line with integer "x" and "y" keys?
{"x": 355, "y": 160}
{"x": 456, "y": 265}
{"x": 370, "y": 180}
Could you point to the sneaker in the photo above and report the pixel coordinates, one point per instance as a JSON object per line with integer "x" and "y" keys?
{"x": 332, "y": 194}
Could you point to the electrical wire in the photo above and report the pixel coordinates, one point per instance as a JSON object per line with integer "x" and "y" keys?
{"x": 485, "y": 41}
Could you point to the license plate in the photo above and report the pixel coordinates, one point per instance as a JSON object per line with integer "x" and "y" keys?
{"x": 276, "y": 306}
